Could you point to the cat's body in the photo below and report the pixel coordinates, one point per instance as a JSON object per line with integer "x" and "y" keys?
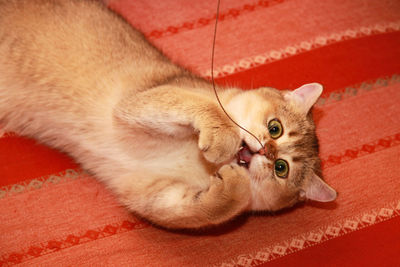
{"x": 77, "y": 77}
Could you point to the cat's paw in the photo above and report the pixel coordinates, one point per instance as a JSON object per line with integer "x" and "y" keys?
{"x": 229, "y": 193}
{"x": 232, "y": 182}
{"x": 219, "y": 143}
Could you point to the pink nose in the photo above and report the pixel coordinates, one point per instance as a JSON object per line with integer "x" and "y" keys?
{"x": 269, "y": 151}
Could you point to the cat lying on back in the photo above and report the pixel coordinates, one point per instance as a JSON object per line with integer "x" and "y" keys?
{"x": 77, "y": 77}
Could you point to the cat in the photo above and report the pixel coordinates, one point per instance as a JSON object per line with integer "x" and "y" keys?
{"x": 77, "y": 77}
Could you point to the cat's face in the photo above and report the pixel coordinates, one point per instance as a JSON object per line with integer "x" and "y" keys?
{"x": 288, "y": 170}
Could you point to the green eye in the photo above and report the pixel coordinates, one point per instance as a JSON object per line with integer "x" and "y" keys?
{"x": 281, "y": 168}
{"x": 275, "y": 128}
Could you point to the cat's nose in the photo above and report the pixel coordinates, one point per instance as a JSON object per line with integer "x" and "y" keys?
{"x": 269, "y": 151}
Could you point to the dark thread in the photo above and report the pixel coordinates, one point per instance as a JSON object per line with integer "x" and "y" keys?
{"x": 213, "y": 82}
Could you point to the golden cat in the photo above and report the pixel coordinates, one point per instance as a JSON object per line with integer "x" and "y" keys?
{"x": 77, "y": 77}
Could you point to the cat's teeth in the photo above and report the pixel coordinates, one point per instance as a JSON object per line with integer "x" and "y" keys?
{"x": 242, "y": 161}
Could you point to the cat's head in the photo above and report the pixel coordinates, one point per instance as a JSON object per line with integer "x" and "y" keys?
{"x": 290, "y": 170}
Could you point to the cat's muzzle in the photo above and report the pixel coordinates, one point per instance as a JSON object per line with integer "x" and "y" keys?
{"x": 244, "y": 155}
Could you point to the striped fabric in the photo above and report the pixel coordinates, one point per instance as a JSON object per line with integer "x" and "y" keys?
{"x": 54, "y": 214}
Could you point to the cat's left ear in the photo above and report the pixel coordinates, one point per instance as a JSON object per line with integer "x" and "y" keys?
{"x": 305, "y": 96}
{"x": 316, "y": 189}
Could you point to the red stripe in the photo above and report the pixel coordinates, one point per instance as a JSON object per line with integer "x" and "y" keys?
{"x": 231, "y": 13}
{"x": 377, "y": 245}
{"x": 335, "y": 66}
{"x": 70, "y": 240}
{"x": 22, "y": 159}
{"x": 361, "y": 150}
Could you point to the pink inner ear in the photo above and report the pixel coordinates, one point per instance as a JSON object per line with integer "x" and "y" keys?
{"x": 318, "y": 190}
{"x": 306, "y": 96}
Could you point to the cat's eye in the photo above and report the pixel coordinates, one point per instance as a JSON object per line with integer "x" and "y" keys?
{"x": 281, "y": 168}
{"x": 275, "y": 128}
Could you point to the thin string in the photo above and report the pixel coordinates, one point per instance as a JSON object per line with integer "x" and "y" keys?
{"x": 261, "y": 151}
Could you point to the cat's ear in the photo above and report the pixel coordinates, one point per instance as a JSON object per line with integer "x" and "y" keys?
{"x": 305, "y": 96}
{"x": 316, "y": 189}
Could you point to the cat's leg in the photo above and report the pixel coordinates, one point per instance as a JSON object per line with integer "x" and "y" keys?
{"x": 169, "y": 109}
{"x": 172, "y": 203}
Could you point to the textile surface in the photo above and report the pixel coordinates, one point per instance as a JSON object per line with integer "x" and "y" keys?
{"x": 54, "y": 214}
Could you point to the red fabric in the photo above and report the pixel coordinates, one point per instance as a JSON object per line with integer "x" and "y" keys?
{"x": 52, "y": 213}
{"x": 371, "y": 246}
{"x": 335, "y": 66}
{"x": 23, "y": 159}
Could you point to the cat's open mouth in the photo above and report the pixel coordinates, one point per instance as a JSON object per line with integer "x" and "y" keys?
{"x": 244, "y": 155}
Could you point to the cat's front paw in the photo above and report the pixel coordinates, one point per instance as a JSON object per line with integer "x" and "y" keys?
{"x": 229, "y": 193}
{"x": 219, "y": 143}
{"x": 236, "y": 180}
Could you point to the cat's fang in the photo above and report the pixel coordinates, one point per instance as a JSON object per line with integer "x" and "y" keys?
{"x": 244, "y": 155}
{"x": 243, "y": 163}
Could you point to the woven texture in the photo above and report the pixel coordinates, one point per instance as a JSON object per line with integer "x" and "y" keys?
{"x": 53, "y": 214}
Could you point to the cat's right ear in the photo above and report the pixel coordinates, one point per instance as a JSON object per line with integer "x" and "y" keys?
{"x": 305, "y": 96}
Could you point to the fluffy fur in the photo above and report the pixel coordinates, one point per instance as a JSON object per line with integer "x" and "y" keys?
{"x": 77, "y": 77}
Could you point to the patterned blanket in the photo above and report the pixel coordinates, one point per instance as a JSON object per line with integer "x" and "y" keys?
{"x": 54, "y": 214}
